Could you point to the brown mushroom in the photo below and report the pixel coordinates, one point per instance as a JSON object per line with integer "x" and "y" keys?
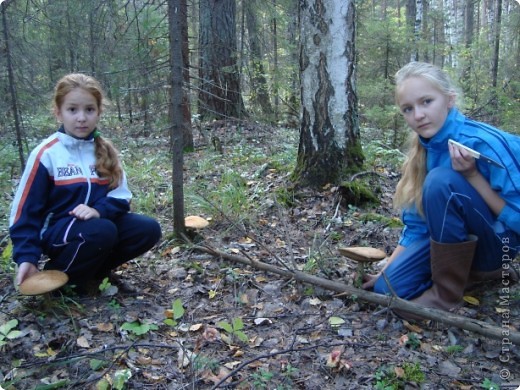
{"x": 43, "y": 282}
{"x": 195, "y": 222}
{"x": 362, "y": 255}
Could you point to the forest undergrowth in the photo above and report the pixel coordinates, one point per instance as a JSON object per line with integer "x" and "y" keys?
{"x": 190, "y": 320}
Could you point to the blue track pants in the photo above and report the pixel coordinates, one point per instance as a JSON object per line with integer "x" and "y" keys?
{"x": 453, "y": 209}
{"x": 93, "y": 247}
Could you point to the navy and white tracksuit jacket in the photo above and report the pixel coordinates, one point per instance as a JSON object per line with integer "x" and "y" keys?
{"x": 60, "y": 174}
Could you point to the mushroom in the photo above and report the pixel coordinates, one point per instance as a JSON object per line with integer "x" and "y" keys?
{"x": 43, "y": 282}
{"x": 195, "y": 222}
{"x": 362, "y": 255}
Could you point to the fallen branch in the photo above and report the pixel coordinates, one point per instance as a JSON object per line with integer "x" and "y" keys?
{"x": 473, "y": 325}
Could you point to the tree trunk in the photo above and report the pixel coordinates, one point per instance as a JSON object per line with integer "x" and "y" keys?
{"x": 411, "y": 18}
{"x": 176, "y": 111}
{"x": 275, "y": 93}
{"x": 259, "y": 88}
{"x": 494, "y": 68}
{"x": 329, "y": 129}
{"x": 469, "y": 25}
{"x": 219, "y": 95}
{"x": 186, "y": 111}
{"x": 12, "y": 91}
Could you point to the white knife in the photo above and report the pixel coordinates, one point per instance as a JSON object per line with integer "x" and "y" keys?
{"x": 476, "y": 154}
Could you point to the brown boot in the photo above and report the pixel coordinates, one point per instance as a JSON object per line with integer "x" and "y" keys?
{"x": 509, "y": 273}
{"x": 451, "y": 264}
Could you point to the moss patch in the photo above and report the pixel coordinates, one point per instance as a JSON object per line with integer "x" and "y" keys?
{"x": 357, "y": 193}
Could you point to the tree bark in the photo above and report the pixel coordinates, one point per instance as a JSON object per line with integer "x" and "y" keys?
{"x": 469, "y": 25}
{"x": 219, "y": 96}
{"x": 392, "y": 302}
{"x": 12, "y": 91}
{"x": 176, "y": 111}
{"x": 329, "y": 131}
{"x": 259, "y": 88}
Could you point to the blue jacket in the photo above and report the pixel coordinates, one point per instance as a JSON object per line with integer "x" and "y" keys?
{"x": 500, "y": 146}
{"x": 60, "y": 174}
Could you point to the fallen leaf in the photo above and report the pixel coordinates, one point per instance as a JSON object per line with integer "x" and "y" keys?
{"x": 399, "y": 372}
{"x": 238, "y": 354}
{"x": 82, "y": 342}
{"x": 152, "y": 377}
{"x": 450, "y": 369}
{"x": 105, "y": 327}
{"x": 334, "y": 358}
{"x": 185, "y": 357}
{"x": 412, "y": 327}
{"x": 471, "y": 300}
{"x": 232, "y": 365}
{"x": 336, "y": 321}
{"x": 208, "y": 376}
{"x": 195, "y": 327}
{"x": 211, "y": 334}
{"x": 262, "y": 321}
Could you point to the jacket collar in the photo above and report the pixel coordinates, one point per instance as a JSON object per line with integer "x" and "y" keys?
{"x": 70, "y": 140}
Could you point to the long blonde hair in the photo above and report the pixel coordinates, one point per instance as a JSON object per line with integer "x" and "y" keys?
{"x": 108, "y": 165}
{"x": 410, "y": 188}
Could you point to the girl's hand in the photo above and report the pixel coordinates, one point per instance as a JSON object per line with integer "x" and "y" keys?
{"x": 84, "y": 212}
{"x": 25, "y": 270}
{"x": 462, "y": 161}
{"x": 369, "y": 281}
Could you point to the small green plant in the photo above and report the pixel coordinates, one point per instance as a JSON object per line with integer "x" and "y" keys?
{"x": 105, "y": 285}
{"x": 261, "y": 378}
{"x": 489, "y": 385}
{"x": 8, "y": 332}
{"x": 138, "y": 328}
{"x": 413, "y": 373}
{"x": 96, "y": 364}
{"x": 201, "y": 363}
{"x": 288, "y": 372}
{"x": 385, "y": 379}
{"x": 392, "y": 378}
{"x": 114, "y": 305}
{"x": 310, "y": 265}
{"x": 453, "y": 349}
{"x": 7, "y": 264}
{"x": 107, "y": 289}
{"x": 234, "y": 329}
{"x": 177, "y": 311}
{"x": 413, "y": 341}
{"x": 118, "y": 382}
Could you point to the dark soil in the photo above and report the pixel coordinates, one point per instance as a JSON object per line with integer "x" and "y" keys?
{"x": 247, "y": 329}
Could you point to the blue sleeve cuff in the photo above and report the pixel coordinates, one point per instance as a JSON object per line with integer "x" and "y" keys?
{"x": 511, "y": 218}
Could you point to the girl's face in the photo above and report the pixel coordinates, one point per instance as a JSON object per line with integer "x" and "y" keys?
{"x": 423, "y": 106}
{"x": 79, "y": 113}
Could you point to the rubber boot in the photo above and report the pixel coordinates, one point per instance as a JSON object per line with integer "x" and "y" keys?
{"x": 509, "y": 273}
{"x": 450, "y": 264}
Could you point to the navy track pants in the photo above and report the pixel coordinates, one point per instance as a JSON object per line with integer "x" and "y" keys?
{"x": 453, "y": 209}
{"x": 93, "y": 247}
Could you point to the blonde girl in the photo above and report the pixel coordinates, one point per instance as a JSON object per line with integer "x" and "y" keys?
{"x": 461, "y": 215}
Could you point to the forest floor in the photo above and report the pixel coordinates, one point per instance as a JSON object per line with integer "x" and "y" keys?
{"x": 196, "y": 321}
